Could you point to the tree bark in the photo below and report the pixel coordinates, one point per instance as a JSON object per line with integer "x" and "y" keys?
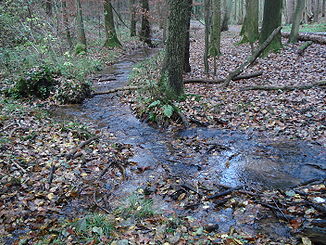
{"x": 272, "y": 20}
{"x": 48, "y": 7}
{"x": 175, "y": 49}
{"x": 111, "y": 35}
{"x": 226, "y": 15}
{"x": 249, "y": 29}
{"x": 187, "y": 67}
{"x": 66, "y": 23}
{"x": 207, "y": 28}
{"x": 290, "y": 7}
{"x": 145, "y": 32}
{"x": 296, "y": 21}
{"x": 215, "y": 42}
{"x": 80, "y": 25}
{"x": 132, "y": 18}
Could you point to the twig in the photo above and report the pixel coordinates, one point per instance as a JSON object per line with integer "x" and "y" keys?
{"x": 20, "y": 167}
{"x": 224, "y": 193}
{"x": 116, "y": 90}
{"x": 119, "y": 17}
{"x": 53, "y": 168}
{"x": 71, "y": 154}
{"x": 98, "y": 205}
{"x": 306, "y": 182}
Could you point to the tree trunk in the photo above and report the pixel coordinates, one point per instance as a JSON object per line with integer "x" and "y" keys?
{"x": 290, "y": 7}
{"x": 145, "y": 32}
{"x": 175, "y": 48}
{"x": 111, "y": 35}
{"x": 207, "y": 28}
{"x": 187, "y": 67}
{"x": 323, "y": 9}
{"x": 249, "y": 29}
{"x": 80, "y": 25}
{"x": 315, "y": 10}
{"x": 272, "y": 20}
{"x": 66, "y": 23}
{"x": 296, "y": 21}
{"x": 215, "y": 42}
{"x": 226, "y": 15}
{"x": 132, "y": 18}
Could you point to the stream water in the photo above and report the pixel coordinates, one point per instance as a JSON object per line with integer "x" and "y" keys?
{"x": 204, "y": 155}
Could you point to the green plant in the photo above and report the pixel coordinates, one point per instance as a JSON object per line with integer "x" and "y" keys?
{"x": 93, "y": 227}
{"x": 77, "y": 130}
{"x": 136, "y": 206}
{"x": 80, "y": 49}
{"x": 38, "y": 82}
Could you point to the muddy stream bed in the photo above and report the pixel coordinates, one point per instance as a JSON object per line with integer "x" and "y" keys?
{"x": 197, "y": 156}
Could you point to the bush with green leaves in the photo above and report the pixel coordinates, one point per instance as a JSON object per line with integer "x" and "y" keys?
{"x": 72, "y": 91}
{"x": 38, "y": 82}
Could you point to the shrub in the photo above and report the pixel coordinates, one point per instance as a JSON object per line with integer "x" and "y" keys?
{"x": 37, "y": 82}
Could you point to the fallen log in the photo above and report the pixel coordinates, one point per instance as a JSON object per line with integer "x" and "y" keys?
{"x": 285, "y": 88}
{"x": 251, "y": 59}
{"x": 245, "y": 76}
{"x": 316, "y": 38}
{"x": 224, "y": 193}
{"x": 116, "y": 90}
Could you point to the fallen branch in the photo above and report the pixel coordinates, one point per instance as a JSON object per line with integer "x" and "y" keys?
{"x": 53, "y": 168}
{"x": 224, "y": 193}
{"x": 285, "y": 88}
{"x": 303, "y": 47}
{"x": 184, "y": 119}
{"x": 245, "y": 76}
{"x": 316, "y": 38}
{"x": 20, "y": 167}
{"x": 116, "y": 90}
{"x": 251, "y": 59}
{"x": 71, "y": 154}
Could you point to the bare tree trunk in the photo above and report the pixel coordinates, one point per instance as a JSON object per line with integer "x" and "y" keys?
{"x": 207, "y": 28}
{"x": 66, "y": 23}
{"x": 187, "y": 67}
{"x": 48, "y": 7}
{"x": 290, "y": 8}
{"x": 323, "y": 10}
{"x": 132, "y": 18}
{"x": 80, "y": 25}
{"x": 145, "y": 33}
{"x": 175, "y": 49}
{"x": 296, "y": 21}
{"x": 215, "y": 42}
{"x": 111, "y": 35}
{"x": 226, "y": 14}
{"x": 315, "y": 10}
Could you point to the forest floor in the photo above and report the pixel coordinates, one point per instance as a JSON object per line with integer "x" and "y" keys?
{"x": 53, "y": 172}
{"x": 298, "y": 114}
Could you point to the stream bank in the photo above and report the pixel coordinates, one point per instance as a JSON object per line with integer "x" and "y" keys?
{"x": 201, "y": 159}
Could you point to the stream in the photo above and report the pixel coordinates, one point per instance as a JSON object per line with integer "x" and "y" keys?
{"x": 197, "y": 155}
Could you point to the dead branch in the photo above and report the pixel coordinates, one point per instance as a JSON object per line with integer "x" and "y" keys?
{"x": 116, "y": 164}
{"x": 116, "y": 90}
{"x": 245, "y": 76}
{"x": 53, "y": 168}
{"x": 184, "y": 119}
{"x": 303, "y": 47}
{"x": 20, "y": 167}
{"x": 251, "y": 59}
{"x": 314, "y": 37}
{"x": 71, "y": 154}
{"x": 98, "y": 205}
{"x": 224, "y": 193}
{"x": 286, "y": 88}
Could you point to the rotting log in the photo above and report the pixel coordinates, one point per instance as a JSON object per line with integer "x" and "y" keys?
{"x": 314, "y": 37}
{"x": 286, "y": 88}
{"x": 116, "y": 90}
{"x": 251, "y": 59}
{"x": 245, "y": 76}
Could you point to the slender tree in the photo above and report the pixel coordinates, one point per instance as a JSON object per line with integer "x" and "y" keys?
{"x": 48, "y": 7}
{"x": 290, "y": 8}
{"x": 249, "y": 30}
{"x": 215, "y": 40}
{"x": 296, "y": 21}
{"x": 132, "y": 18}
{"x": 272, "y": 20}
{"x": 111, "y": 35}
{"x": 187, "y": 67}
{"x": 207, "y": 32}
{"x": 66, "y": 22}
{"x": 175, "y": 48}
{"x": 145, "y": 32}
{"x": 80, "y": 25}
